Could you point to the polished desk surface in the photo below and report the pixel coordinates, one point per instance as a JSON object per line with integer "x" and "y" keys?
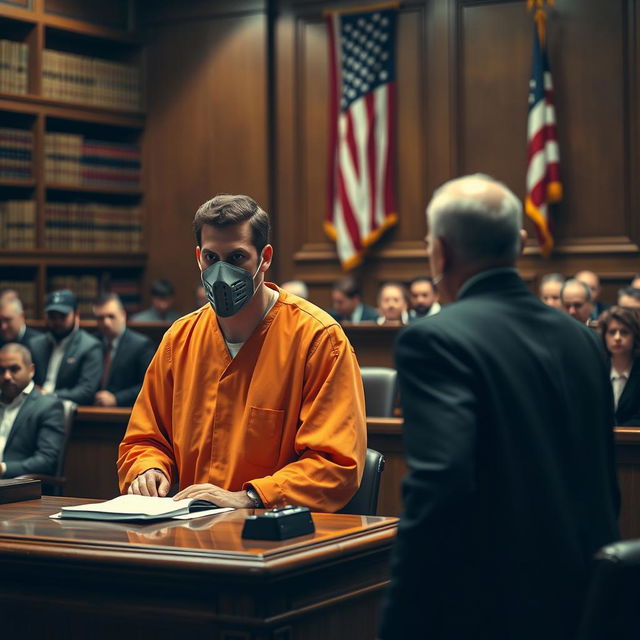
{"x": 212, "y": 543}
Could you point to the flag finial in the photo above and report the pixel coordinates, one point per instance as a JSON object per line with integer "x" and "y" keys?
{"x": 539, "y": 15}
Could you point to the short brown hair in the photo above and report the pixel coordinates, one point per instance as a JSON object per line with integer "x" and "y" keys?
{"x": 227, "y": 210}
{"x": 630, "y": 318}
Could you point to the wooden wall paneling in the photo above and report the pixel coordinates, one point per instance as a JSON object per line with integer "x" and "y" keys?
{"x": 459, "y": 110}
{"x": 302, "y": 122}
{"x": 207, "y": 126}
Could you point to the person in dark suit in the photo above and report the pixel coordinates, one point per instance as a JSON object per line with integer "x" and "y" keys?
{"x": 68, "y": 360}
{"x": 12, "y": 324}
{"x": 127, "y": 355}
{"x": 347, "y": 303}
{"x": 31, "y": 424}
{"x": 620, "y": 329}
{"x": 508, "y": 430}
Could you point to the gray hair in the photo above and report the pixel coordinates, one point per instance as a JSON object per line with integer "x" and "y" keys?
{"x": 12, "y": 303}
{"x": 632, "y": 292}
{"x": 482, "y": 225}
{"x": 297, "y": 287}
{"x": 571, "y": 282}
{"x": 552, "y": 277}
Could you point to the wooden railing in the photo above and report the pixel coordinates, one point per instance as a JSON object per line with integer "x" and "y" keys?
{"x": 93, "y": 451}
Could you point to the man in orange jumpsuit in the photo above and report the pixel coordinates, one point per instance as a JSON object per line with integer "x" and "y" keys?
{"x": 254, "y": 400}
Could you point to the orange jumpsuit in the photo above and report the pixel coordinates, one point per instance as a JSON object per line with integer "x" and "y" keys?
{"x": 285, "y": 415}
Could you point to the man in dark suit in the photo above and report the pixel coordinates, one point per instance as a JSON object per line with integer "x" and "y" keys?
{"x": 31, "y": 424}
{"x": 12, "y": 323}
{"x": 68, "y": 360}
{"x": 347, "y": 303}
{"x": 508, "y": 429}
{"x": 127, "y": 355}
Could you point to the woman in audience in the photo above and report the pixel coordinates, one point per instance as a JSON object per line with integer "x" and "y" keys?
{"x": 621, "y": 336}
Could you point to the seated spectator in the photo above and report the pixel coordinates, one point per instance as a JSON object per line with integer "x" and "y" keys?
{"x": 593, "y": 281}
{"x": 621, "y": 336}
{"x": 550, "y": 286}
{"x": 423, "y": 298}
{"x": 32, "y": 424}
{"x": 68, "y": 360}
{"x": 127, "y": 355}
{"x": 8, "y": 294}
{"x": 576, "y": 299}
{"x": 12, "y": 324}
{"x": 629, "y": 298}
{"x": 347, "y": 303}
{"x": 297, "y": 287}
{"x": 393, "y": 304}
{"x": 162, "y": 297}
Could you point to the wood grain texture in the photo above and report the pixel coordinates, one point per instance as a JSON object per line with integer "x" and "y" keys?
{"x": 463, "y": 71}
{"x": 207, "y": 130}
{"x": 199, "y": 576}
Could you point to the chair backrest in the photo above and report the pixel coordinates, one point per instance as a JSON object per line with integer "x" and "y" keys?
{"x": 380, "y": 390}
{"x": 69, "y": 409}
{"x": 612, "y": 606}
{"x": 365, "y": 500}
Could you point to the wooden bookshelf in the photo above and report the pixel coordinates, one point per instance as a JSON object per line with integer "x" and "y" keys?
{"x": 101, "y": 36}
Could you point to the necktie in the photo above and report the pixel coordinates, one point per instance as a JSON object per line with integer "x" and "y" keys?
{"x": 107, "y": 365}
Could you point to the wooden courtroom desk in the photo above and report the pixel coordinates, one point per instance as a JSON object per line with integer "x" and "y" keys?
{"x": 93, "y": 450}
{"x": 87, "y": 579}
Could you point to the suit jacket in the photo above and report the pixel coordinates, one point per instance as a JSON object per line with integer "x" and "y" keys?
{"x": 35, "y": 439}
{"x": 81, "y": 368}
{"x": 128, "y": 367}
{"x": 369, "y": 314}
{"x": 29, "y": 335}
{"x": 628, "y": 411}
{"x": 508, "y": 430}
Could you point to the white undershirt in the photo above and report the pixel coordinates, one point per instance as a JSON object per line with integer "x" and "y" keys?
{"x": 54, "y": 363}
{"x": 8, "y": 413}
{"x": 618, "y": 383}
{"x": 234, "y": 347}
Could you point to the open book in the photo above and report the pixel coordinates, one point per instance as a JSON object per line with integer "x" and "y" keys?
{"x": 132, "y": 507}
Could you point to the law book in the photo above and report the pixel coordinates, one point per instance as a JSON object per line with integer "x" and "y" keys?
{"x": 14, "y": 490}
{"x": 141, "y": 508}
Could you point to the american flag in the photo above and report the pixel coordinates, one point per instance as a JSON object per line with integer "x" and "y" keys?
{"x": 361, "y": 202}
{"x": 543, "y": 171}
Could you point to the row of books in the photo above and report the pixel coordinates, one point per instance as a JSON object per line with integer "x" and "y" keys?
{"x": 75, "y": 160}
{"x": 93, "y": 81}
{"x": 17, "y": 224}
{"x": 91, "y": 226}
{"x": 85, "y": 287}
{"x": 16, "y": 150}
{"x": 128, "y": 289}
{"x": 14, "y": 63}
{"x": 26, "y": 290}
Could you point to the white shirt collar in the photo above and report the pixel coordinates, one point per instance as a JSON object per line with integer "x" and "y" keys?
{"x": 614, "y": 375}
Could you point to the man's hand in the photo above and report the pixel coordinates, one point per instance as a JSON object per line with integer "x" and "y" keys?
{"x": 150, "y": 483}
{"x": 219, "y": 497}
{"x": 104, "y": 399}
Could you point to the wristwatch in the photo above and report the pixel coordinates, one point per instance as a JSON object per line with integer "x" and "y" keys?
{"x": 254, "y": 497}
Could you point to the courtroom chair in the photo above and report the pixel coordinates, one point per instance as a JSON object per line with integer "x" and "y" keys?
{"x": 365, "y": 500}
{"x": 612, "y": 606}
{"x": 54, "y": 485}
{"x": 380, "y": 391}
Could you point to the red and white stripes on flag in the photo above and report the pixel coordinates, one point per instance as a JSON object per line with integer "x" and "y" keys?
{"x": 361, "y": 203}
{"x": 543, "y": 171}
